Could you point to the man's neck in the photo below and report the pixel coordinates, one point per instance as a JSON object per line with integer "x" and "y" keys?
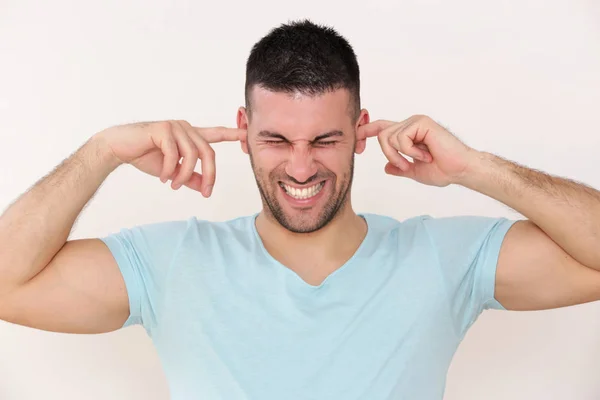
{"x": 313, "y": 256}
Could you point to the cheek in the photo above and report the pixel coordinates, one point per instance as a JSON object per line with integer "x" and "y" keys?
{"x": 269, "y": 163}
{"x": 271, "y": 157}
{"x": 335, "y": 160}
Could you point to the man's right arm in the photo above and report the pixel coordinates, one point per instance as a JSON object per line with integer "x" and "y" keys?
{"x": 76, "y": 286}
{"x": 47, "y": 282}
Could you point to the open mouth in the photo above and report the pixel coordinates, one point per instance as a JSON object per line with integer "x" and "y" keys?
{"x": 304, "y": 193}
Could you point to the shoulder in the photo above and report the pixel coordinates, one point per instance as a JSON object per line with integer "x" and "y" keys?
{"x": 174, "y": 231}
{"x": 386, "y": 225}
{"x": 442, "y": 230}
{"x": 239, "y": 224}
{"x": 465, "y": 227}
{"x": 239, "y": 230}
{"x": 386, "y": 222}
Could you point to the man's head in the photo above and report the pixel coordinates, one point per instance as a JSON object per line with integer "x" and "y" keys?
{"x": 302, "y": 113}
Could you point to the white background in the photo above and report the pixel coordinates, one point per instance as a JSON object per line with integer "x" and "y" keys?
{"x": 520, "y": 79}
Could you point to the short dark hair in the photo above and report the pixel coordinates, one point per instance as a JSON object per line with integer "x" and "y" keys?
{"x": 303, "y": 57}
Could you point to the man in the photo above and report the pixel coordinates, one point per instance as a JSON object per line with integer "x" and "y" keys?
{"x": 306, "y": 299}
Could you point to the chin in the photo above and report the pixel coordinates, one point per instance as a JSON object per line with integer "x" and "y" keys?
{"x": 304, "y": 212}
{"x": 306, "y": 220}
{"x": 302, "y": 223}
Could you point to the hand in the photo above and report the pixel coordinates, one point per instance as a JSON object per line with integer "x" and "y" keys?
{"x": 157, "y": 147}
{"x": 439, "y": 158}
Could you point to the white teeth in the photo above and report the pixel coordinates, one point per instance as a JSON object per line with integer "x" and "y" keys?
{"x": 305, "y": 193}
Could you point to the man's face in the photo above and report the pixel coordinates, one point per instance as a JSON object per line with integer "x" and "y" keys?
{"x": 302, "y": 152}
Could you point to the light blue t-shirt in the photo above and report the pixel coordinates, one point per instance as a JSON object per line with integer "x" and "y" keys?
{"x": 230, "y": 322}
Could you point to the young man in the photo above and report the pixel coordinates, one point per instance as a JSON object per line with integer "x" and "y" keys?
{"x": 306, "y": 299}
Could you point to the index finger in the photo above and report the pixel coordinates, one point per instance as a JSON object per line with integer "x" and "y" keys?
{"x": 373, "y": 128}
{"x": 220, "y": 134}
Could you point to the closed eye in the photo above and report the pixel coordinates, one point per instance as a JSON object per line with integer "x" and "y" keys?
{"x": 326, "y": 142}
{"x": 274, "y": 141}
{"x": 317, "y": 143}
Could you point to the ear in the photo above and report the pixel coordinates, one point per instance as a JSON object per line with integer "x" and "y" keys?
{"x": 242, "y": 123}
{"x": 363, "y": 119}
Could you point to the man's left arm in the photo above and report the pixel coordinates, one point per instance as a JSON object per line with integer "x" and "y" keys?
{"x": 551, "y": 259}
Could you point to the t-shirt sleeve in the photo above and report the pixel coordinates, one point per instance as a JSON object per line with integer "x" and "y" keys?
{"x": 144, "y": 254}
{"x": 467, "y": 249}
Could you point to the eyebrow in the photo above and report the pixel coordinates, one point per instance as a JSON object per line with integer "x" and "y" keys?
{"x": 277, "y": 135}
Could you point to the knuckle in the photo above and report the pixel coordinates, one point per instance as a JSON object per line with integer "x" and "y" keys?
{"x": 209, "y": 152}
{"x": 194, "y": 153}
{"x": 171, "y": 150}
{"x": 171, "y": 142}
{"x": 165, "y": 126}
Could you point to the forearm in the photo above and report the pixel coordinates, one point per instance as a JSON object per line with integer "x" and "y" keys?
{"x": 567, "y": 211}
{"x": 36, "y": 226}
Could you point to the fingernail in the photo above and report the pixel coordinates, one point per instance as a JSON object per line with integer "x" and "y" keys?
{"x": 208, "y": 190}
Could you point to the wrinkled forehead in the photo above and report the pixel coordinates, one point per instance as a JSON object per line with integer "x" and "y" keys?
{"x": 300, "y": 116}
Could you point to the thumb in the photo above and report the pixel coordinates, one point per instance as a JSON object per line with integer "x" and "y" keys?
{"x": 391, "y": 169}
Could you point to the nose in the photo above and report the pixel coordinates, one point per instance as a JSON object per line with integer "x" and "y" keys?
{"x": 301, "y": 165}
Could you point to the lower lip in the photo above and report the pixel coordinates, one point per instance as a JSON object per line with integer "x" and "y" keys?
{"x": 304, "y": 203}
